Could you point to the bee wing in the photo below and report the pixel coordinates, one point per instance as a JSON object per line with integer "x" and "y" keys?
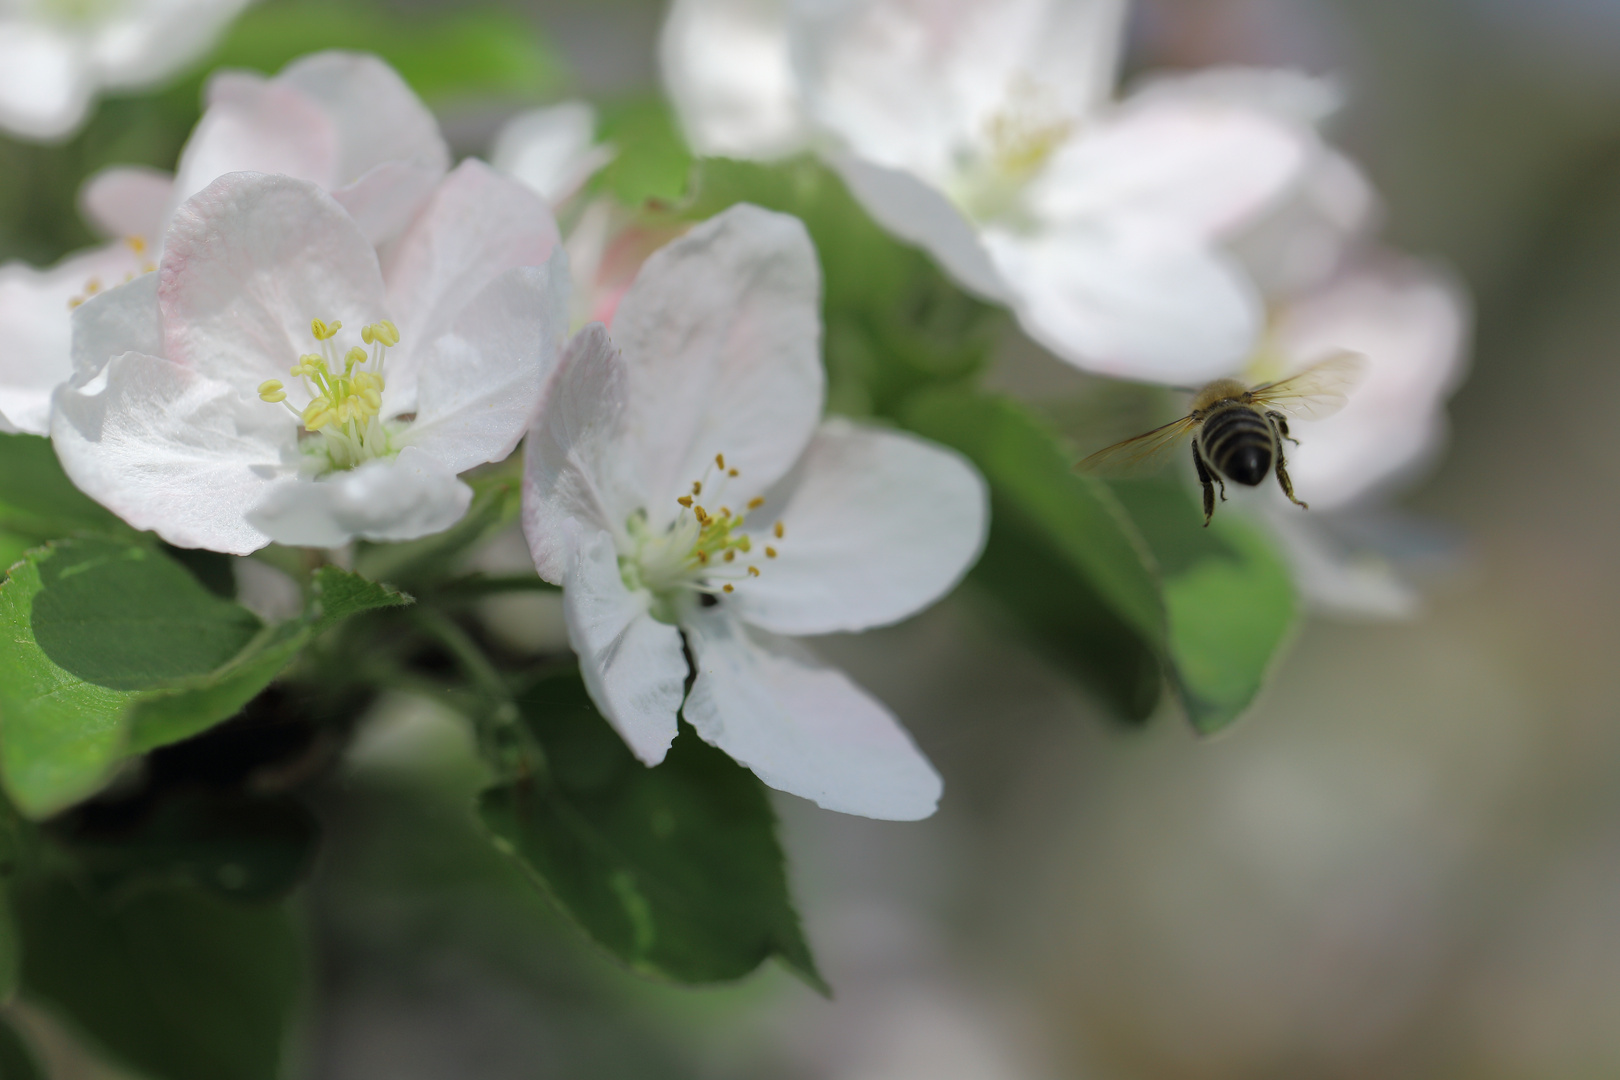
{"x": 1144, "y": 454}
{"x": 1318, "y": 391}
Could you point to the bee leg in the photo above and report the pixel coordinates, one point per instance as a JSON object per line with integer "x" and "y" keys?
{"x": 1280, "y": 423}
{"x": 1208, "y": 478}
{"x": 1280, "y": 428}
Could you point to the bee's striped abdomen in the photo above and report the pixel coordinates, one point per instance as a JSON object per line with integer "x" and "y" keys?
{"x": 1236, "y": 439}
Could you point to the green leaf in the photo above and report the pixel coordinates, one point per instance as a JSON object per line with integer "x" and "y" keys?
{"x": 1062, "y": 555}
{"x": 675, "y": 870}
{"x": 17, "y": 1061}
{"x": 37, "y": 500}
{"x": 108, "y": 647}
{"x": 442, "y": 56}
{"x": 342, "y": 593}
{"x": 10, "y": 952}
{"x": 1230, "y": 599}
{"x": 650, "y": 160}
{"x": 174, "y": 982}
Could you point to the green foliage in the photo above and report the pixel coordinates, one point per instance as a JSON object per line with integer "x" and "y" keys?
{"x": 37, "y": 500}
{"x": 174, "y": 982}
{"x": 675, "y": 870}
{"x": 650, "y": 160}
{"x": 342, "y": 593}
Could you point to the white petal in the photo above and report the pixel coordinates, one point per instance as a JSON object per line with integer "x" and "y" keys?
{"x": 254, "y": 124}
{"x": 727, "y": 69}
{"x": 633, "y": 665}
{"x": 1202, "y": 166}
{"x": 171, "y": 450}
{"x": 480, "y": 381}
{"x": 45, "y": 88}
{"x": 553, "y": 150}
{"x": 1410, "y": 322}
{"x": 36, "y": 324}
{"x": 801, "y": 726}
{"x": 248, "y": 263}
{"x": 125, "y": 319}
{"x": 922, "y": 215}
{"x": 722, "y": 334}
{"x": 128, "y": 200}
{"x": 377, "y": 117}
{"x": 572, "y": 457}
{"x": 1290, "y": 95}
{"x": 1131, "y": 301}
{"x": 136, "y": 45}
{"x": 1334, "y": 577}
{"x": 909, "y": 85}
{"x": 388, "y": 499}
{"x": 1300, "y": 242}
{"x": 478, "y": 225}
{"x": 877, "y": 525}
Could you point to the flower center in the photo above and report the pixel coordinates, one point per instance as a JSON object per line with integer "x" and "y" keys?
{"x": 342, "y": 424}
{"x": 703, "y": 553}
{"x": 1017, "y": 141}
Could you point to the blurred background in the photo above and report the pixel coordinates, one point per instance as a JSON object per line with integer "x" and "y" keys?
{"x": 1405, "y": 862}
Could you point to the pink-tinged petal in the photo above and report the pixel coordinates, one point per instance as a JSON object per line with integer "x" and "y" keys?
{"x": 552, "y": 150}
{"x": 128, "y": 201}
{"x": 45, "y": 87}
{"x": 801, "y": 726}
{"x": 248, "y": 263}
{"x": 254, "y": 124}
{"x": 633, "y": 665}
{"x": 1302, "y": 241}
{"x": 478, "y": 225}
{"x": 36, "y": 311}
{"x": 109, "y": 324}
{"x": 877, "y": 525}
{"x": 922, "y": 215}
{"x": 387, "y": 199}
{"x": 387, "y": 499}
{"x": 572, "y": 458}
{"x": 728, "y": 70}
{"x": 481, "y": 380}
{"x": 1410, "y": 323}
{"x": 1201, "y": 166}
{"x": 171, "y": 450}
{"x": 722, "y": 334}
{"x": 1132, "y": 301}
{"x": 377, "y": 117}
{"x": 909, "y": 85}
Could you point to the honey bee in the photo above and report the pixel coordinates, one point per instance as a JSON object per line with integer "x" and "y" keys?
{"x": 1237, "y": 431}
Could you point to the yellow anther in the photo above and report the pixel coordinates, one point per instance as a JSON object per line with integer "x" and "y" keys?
{"x": 318, "y": 413}
{"x": 725, "y": 512}
{"x": 324, "y": 330}
{"x": 685, "y": 500}
{"x": 703, "y": 557}
{"x": 697, "y": 487}
{"x": 728, "y": 588}
{"x": 148, "y": 267}
{"x": 385, "y": 332}
{"x": 745, "y": 544}
{"x": 778, "y": 530}
{"x": 753, "y": 571}
{"x": 355, "y": 355}
{"x": 731, "y": 472}
{"x": 756, "y": 502}
{"x": 270, "y": 390}
{"x": 137, "y": 244}
{"x": 702, "y": 515}
{"x": 75, "y": 302}
{"x": 309, "y": 364}
{"x": 720, "y": 460}
{"x": 731, "y": 556}
{"x": 770, "y": 553}
{"x": 92, "y": 286}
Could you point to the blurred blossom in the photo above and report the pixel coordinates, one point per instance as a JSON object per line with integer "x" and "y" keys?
{"x": 985, "y": 132}
{"x": 56, "y": 55}
{"x": 553, "y": 150}
{"x": 686, "y": 486}
{"x": 179, "y": 421}
{"x": 345, "y": 121}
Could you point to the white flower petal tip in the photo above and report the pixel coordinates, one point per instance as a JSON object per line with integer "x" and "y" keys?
{"x": 802, "y": 727}
{"x": 728, "y": 68}
{"x": 552, "y": 150}
{"x": 128, "y": 201}
{"x": 403, "y": 498}
{"x": 876, "y": 524}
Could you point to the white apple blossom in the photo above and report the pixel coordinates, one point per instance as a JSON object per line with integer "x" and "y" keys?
{"x": 684, "y": 490}
{"x": 223, "y": 403}
{"x": 343, "y": 120}
{"x": 552, "y": 149}
{"x": 56, "y": 55}
{"x": 983, "y": 131}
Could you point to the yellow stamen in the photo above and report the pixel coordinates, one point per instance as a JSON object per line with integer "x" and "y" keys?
{"x": 731, "y": 556}
{"x": 385, "y": 332}
{"x": 756, "y": 502}
{"x": 720, "y": 460}
{"x": 270, "y": 390}
{"x": 731, "y": 472}
{"x": 323, "y": 330}
{"x": 355, "y": 355}
{"x": 770, "y": 553}
{"x": 753, "y": 571}
{"x": 728, "y": 588}
{"x": 137, "y": 244}
{"x": 697, "y": 487}
{"x": 778, "y": 530}
{"x": 686, "y": 501}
